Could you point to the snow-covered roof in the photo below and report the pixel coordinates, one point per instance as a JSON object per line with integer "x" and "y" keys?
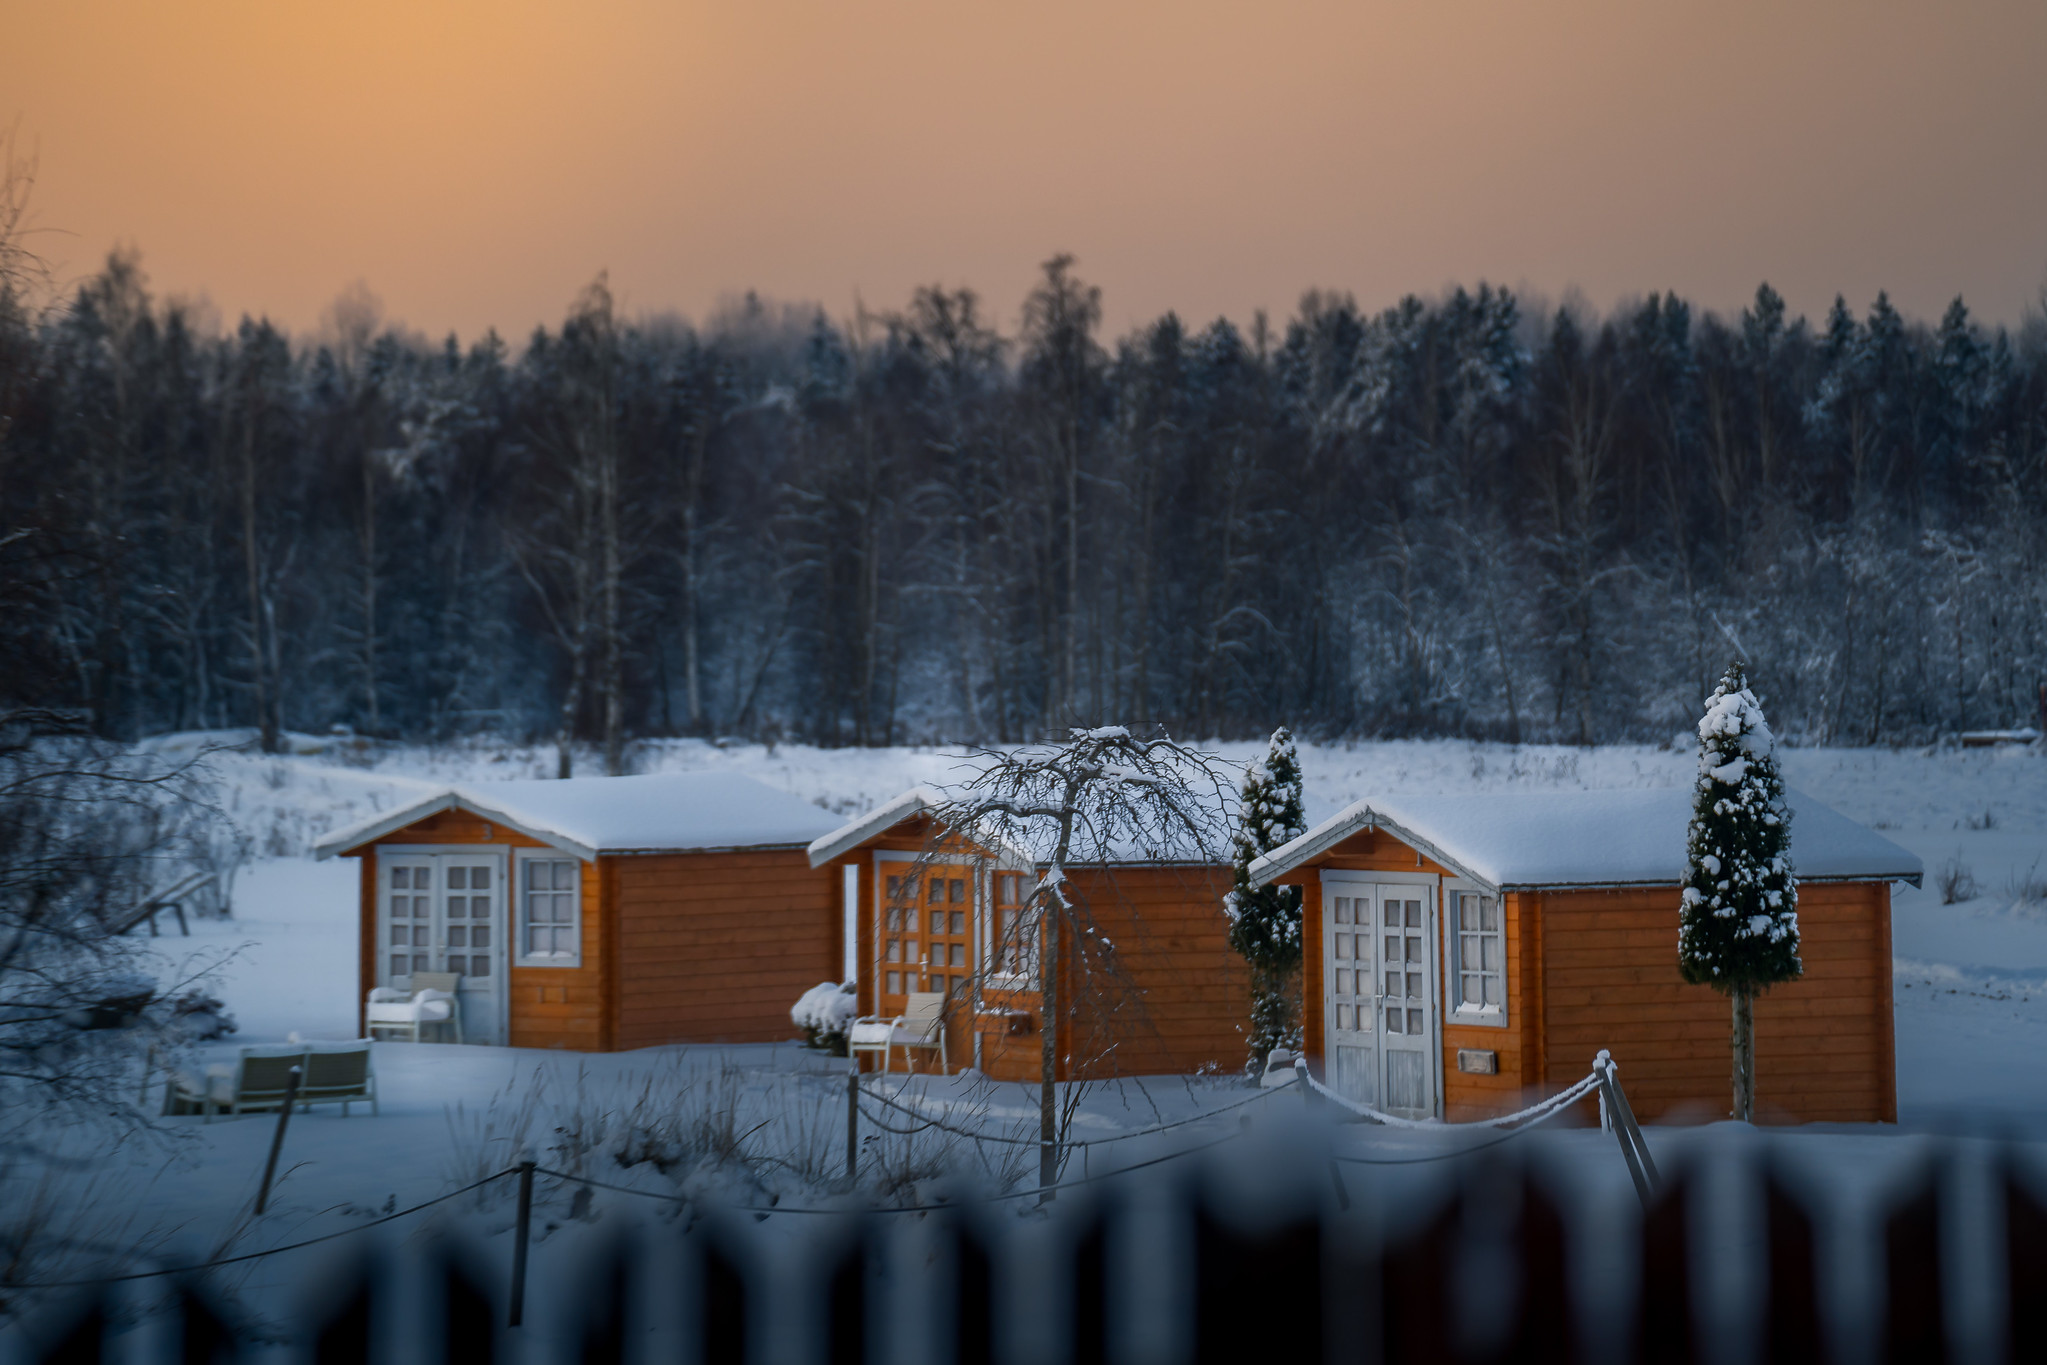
{"x": 1633, "y": 837}
{"x": 878, "y": 821}
{"x": 586, "y": 816}
{"x": 883, "y": 818}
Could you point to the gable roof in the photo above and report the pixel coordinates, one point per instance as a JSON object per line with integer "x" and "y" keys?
{"x": 657, "y": 813}
{"x": 1504, "y": 841}
{"x": 875, "y": 823}
{"x": 885, "y": 817}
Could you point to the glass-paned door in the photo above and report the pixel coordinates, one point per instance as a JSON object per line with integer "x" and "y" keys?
{"x": 1349, "y": 1008}
{"x": 1409, "y": 1058}
{"x": 411, "y": 924}
{"x": 927, "y": 930}
{"x": 445, "y": 913}
{"x": 474, "y": 930}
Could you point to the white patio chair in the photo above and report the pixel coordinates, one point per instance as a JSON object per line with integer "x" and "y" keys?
{"x": 431, "y": 1001}
{"x": 921, "y": 1024}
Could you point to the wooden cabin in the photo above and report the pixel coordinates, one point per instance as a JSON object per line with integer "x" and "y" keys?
{"x": 932, "y": 913}
{"x": 601, "y": 913}
{"x": 1467, "y": 955}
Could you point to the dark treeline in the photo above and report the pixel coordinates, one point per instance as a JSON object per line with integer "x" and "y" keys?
{"x": 1458, "y": 517}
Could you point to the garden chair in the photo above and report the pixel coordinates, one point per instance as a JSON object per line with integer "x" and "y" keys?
{"x": 338, "y": 1073}
{"x": 921, "y": 1024}
{"x": 431, "y": 1001}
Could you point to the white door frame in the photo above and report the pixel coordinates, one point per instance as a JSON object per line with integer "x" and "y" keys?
{"x": 503, "y": 914}
{"x": 1334, "y": 883}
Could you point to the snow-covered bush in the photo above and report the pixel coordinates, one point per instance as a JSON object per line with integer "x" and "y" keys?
{"x": 825, "y": 1014}
{"x": 1738, "y": 916}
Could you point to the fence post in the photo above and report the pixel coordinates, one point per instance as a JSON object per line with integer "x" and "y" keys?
{"x": 1627, "y": 1118}
{"x": 291, "y": 1092}
{"x": 852, "y": 1120}
{"x": 1301, "y": 1079}
{"x": 519, "y": 1240}
{"x": 1614, "y": 1108}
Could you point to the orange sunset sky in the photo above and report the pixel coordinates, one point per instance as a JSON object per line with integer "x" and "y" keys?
{"x": 475, "y": 163}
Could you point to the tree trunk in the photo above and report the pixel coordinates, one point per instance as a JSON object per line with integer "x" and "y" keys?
{"x": 572, "y": 702}
{"x": 369, "y": 588}
{"x": 692, "y": 669}
{"x": 614, "y": 678}
{"x": 259, "y": 664}
{"x": 1744, "y": 1053}
{"x": 1054, "y": 902}
{"x": 1048, "y": 1057}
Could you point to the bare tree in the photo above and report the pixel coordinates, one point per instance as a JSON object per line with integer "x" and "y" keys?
{"x": 88, "y": 834}
{"x": 353, "y": 319}
{"x": 573, "y": 556}
{"x": 1103, "y": 797}
{"x": 1060, "y": 318}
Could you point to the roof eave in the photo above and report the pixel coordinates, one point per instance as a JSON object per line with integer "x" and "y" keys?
{"x": 1673, "y": 883}
{"x": 854, "y": 833}
{"x": 434, "y": 805}
{"x": 1360, "y": 818}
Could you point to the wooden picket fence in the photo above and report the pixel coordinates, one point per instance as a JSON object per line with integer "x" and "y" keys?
{"x": 1245, "y": 1269}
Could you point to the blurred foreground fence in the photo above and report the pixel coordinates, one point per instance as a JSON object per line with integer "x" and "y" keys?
{"x": 1260, "y": 1262}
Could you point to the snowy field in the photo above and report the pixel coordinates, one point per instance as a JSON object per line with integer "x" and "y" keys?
{"x": 1969, "y": 1031}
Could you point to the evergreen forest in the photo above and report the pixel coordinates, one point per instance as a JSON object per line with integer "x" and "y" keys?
{"x": 1468, "y": 515}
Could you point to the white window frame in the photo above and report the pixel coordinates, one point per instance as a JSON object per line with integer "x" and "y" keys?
{"x": 520, "y": 957}
{"x": 1026, "y": 980}
{"x": 1453, "y": 958}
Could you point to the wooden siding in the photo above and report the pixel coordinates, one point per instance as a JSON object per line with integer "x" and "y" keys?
{"x": 1192, "y": 994}
{"x": 715, "y": 947}
{"x": 1598, "y": 969}
{"x": 1465, "y": 1096}
{"x": 1823, "y": 1042}
{"x": 558, "y": 1007}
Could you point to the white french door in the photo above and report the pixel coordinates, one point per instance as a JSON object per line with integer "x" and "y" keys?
{"x": 1381, "y": 994}
{"x": 1349, "y": 1008}
{"x": 446, "y": 912}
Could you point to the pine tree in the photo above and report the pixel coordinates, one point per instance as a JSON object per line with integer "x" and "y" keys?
{"x": 1738, "y": 923}
{"x": 1265, "y": 921}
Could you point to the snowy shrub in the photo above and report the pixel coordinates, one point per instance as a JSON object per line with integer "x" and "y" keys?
{"x": 825, "y": 1014}
{"x": 197, "y": 1017}
{"x": 1956, "y": 882}
{"x": 2027, "y": 889}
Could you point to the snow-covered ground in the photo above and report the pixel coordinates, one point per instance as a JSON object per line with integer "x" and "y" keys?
{"x": 1971, "y": 1004}
{"x": 1971, "y": 977}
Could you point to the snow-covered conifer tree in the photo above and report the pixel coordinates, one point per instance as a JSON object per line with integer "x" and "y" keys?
{"x": 1738, "y": 921}
{"x": 1265, "y": 921}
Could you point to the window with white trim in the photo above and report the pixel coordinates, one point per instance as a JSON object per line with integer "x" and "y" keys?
{"x": 1479, "y": 956}
{"x": 1012, "y": 956}
{"x": 550, "y": 911}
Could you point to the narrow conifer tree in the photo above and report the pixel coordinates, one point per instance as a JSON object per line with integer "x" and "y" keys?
{"x": 1265, "y": 921}
{"x": 1738, "y": 922}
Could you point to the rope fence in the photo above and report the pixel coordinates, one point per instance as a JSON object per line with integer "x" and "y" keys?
{"x": 1072, "y": 1144}
{"x": 1615, "y": 1113}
